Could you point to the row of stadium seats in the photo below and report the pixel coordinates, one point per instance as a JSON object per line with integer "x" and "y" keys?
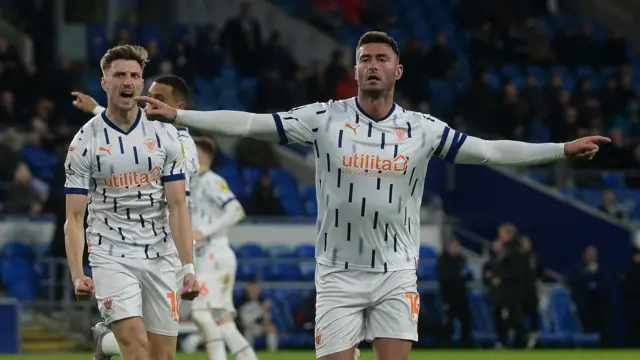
{"x": 560, "y": 326}
{"x": 21, "y": 270}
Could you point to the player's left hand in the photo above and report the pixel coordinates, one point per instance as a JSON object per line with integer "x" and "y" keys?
{"x": 584, "y": 148}
{"x": 157, "y": 110}
{"x": 190, "y": 288}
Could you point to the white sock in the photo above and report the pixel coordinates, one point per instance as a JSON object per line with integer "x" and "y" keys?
{"x": 213, "y": 341}
{"x": 237, "y": 344}
{"x": 110, "y": 344}
{"x": 272, "y": 341}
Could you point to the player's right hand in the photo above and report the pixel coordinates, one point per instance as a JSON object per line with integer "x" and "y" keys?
{"x": 190, "y": 288}
{"x": 157, "y": 110}
{"x": 84, "y": 288}
{"x": 84, "y": 102}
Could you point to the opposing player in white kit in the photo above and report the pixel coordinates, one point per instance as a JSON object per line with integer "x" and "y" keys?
{"x": 217, "y": 210}
{"x": 132, "y": 171}
{"x": 371, "y": 162}
{"x": 174, "y": 91}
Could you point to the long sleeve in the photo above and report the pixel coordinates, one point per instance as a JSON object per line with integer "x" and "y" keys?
{"x": 231, "y": 123}
{"x": 506, "y": 152}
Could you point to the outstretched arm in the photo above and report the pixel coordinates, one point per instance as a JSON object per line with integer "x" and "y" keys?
{"x": 460, "y": 148}
{"x": 506, "y": 152}
{"x": 297, "y": 125}
{"x": 230, "y": 123}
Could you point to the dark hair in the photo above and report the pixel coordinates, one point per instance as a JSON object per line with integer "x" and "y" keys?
{"x": 379, "y": 37}
{"x": 179, "y": 86}
{"x": 124, "y": 52}
{"x": 205, "y": 144}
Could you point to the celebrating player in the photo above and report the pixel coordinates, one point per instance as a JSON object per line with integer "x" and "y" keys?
{"x": 175, "y": 92}
{"x": 133, "y": 172}
{"x": 371, "y": 162}
{"x": 217, "y": 210}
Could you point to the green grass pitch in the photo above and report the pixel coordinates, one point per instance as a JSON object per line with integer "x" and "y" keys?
{"x": 416, "y": 355}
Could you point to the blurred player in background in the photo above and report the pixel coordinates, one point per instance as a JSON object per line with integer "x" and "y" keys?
{"x": 216, "y": 212}
{"x": 134, "y": 172}
{"x": 371, "y": 162}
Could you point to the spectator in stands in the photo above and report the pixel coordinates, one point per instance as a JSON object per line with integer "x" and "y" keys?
{"x": 414, "y": 75}
{"x": 609, "y": 205}
{"x": 335, "y": 71}
{"x": 325, "y": 14}
{"x": 615, "y": 49}
{"x": 630, "y": 284}
{"x": 591, "y": 293}
{"x": 276, "y": 55}
{"x": 536, "y": 47}
{"x": 269, "y": 92}
{"x": 533, "y": 96}
{"x": 510, "y": 281}
{"x": 486, "y": 46}
{"x": 305, "y": 320}
{"x": 453, "y": 275}
{"x": 318, "y": 88}
{"x": 532, "y": 277}
{"x": 513, "y": 120}
{"x": 586, "y": 47}
{"x": 264, "y": 199}
{"x": 440, "y": 60}
{"x": 26, "y": 195}
{"x": 243, "y": 36}
{"x": 255, "y": 314}
{"x": 210, "y": 53}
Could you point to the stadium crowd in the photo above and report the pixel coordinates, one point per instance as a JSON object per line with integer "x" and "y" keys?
{"x": 499, "y": 91}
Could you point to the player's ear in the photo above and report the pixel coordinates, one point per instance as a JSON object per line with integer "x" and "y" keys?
{"x": 399, "y": 71}
{"x": 355, "y": 72}
{"x": 103, "y": 84}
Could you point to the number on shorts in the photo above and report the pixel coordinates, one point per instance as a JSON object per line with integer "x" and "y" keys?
{"x": 414, "y": 305}
{"x": 204, "y": 290}
{"x": 173, "y": 300}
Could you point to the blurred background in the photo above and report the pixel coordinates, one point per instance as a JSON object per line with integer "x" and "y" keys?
{"x": 530, "y": 70}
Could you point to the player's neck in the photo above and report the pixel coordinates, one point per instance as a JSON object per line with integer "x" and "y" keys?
{"x": 203, "y": 169}
{"x": 124, "y": 119}
{"x": 377, "y": 107}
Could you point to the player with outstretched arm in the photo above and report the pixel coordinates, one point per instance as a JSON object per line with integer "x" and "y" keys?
{"x": 129, "y": 173}
{"x": 371, "y": 162}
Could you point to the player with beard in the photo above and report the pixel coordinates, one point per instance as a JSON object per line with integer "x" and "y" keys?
{"x": 371, "y": 162}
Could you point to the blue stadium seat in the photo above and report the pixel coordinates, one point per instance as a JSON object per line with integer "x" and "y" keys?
{"x": 252, "y": 251}
{"x": 281, "y": 272}
{"x": 307, "y": 270}
{"x": 246, "y": 272}
{"x": 427, "y": 271}
{"x": 281, "y": 251}
{"x": 482, "y": 327}
{"x": 427, "y": 252}
{"x": 565, "y": 321}
{"x": 306, "y": 251}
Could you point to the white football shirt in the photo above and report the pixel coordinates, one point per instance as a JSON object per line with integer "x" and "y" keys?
{"x": 123, "y": 175}
{"x": 369, "y": 179}
{"x": 212, "y": 196}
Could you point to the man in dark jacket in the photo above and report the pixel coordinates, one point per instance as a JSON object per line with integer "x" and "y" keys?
{"x": 510, "y": 282}
{"x": 630, "y": 284}
{"x": 532, "y": 274}
{"x": 453, "y": 275}
{"x": 490, "y": 281}
{"x": 591, "y": 293}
